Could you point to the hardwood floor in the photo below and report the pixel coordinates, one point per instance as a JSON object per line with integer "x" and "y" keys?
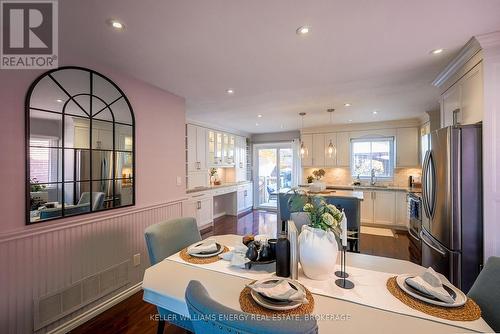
{"x": 132, "y": 316}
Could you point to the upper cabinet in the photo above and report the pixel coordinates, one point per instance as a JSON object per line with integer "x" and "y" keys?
{"x": 307, "y": 159}
{"x": 196, "y": 148}
{"x": 240, "y": 158}
{"x": 407, "y": 140}
{"x": 221, "y": 149}
{"x": 318, "y": 149}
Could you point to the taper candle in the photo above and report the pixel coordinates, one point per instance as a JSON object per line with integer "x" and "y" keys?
{"x": 343, "y": 226}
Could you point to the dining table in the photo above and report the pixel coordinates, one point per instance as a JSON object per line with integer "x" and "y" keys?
{"x": 368, "y": 307}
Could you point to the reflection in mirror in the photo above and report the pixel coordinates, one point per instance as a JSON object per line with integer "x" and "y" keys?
{"x": 102, "y": 135}
{"x": 124, "y": 192}
{"x": 124, "y": 138}
{"x": 80, "y": 145}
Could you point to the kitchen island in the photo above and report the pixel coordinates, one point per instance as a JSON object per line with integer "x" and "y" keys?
{"x": 348, "y": 200}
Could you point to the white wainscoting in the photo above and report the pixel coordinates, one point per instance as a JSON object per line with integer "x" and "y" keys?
{"x": 37, "y": 262}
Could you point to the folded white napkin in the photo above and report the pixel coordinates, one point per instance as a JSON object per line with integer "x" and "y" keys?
{"x": 279, "y": 290}
{"x": 207, "y": 246}
{"x": 430, "y": 283}
{"x": 237, "y": 256}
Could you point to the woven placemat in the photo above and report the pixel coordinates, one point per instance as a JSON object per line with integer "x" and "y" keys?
{"x": 249, "y": 305}
{"x": 468, "y": 312}
{"x": 200, "y": 260}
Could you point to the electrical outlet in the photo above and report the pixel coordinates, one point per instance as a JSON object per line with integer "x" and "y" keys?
{"x": 179, "y": 181}
{"x": 137, "y": 259}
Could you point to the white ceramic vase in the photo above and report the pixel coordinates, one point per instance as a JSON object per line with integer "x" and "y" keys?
{"x": 317, "y": 252}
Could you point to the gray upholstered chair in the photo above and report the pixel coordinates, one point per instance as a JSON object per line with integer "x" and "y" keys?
{"x": 201, "y": 307}
{"x": 486, "y": 292}
{"x": 164, "y": 239}
{"x": 98, "y": 200}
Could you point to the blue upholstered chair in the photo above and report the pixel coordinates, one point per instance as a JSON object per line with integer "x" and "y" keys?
{"x": 209, "y": 317}
{"x": 98, "y": 200}
{"x": 164, "y": 239}
{"x": 486, "y": 292}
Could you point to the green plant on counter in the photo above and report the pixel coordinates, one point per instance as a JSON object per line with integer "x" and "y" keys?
{"x": 318, "y": 174}
{"x": 310, "y": 179}
{"x": 36, "y": 186}
{"x": 213, "y": 171}
{"x": 323, "y": 215}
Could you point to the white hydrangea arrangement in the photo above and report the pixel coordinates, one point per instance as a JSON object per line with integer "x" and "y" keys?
{"x": 323, "y": 215}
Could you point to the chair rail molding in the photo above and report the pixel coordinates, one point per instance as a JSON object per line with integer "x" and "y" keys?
{"x": 490, "y": 44}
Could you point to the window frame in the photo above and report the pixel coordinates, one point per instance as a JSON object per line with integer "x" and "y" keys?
{"x": 392, "y": 156}
{"x": 132, "y": 180}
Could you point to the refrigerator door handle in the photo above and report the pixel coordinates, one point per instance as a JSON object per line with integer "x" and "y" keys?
{"x": 432, "y": 203}
{"x": 429, "y": 243}
{"x": 413, "y": 235}
{"x": 425, "y": 166}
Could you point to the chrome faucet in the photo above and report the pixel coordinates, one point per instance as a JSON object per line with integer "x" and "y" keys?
{"x": 372, "y": 179}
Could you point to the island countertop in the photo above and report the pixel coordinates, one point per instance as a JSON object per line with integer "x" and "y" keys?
{"x": 351, "y": 194}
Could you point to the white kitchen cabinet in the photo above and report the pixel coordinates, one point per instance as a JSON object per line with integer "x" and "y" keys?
{"x": 318, "y": 150}
{"x": 331, "y": 161}
{"x": 244, "y": 197}
{"x": 200, "y": 207}
{"x": 367, "y": 207}
{"x": 466, "y": 96}
{"x": 248, "y": 196}
{"x": 240, "y": 158}
{"x": 401, "y": 209}
{"x": 407, "y": 140}
{"x": 196, "y": 148}
{"x": 307, "y": 141}
{"x": 343, "y": 149}
{"x": 384, "y": 211}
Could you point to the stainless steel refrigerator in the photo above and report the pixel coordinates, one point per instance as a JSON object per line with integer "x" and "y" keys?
{"x": 452, "y": 223}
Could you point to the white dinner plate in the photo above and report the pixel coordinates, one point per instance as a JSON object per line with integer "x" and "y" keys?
{"x": 460, "y": 299}
{"x": 279, "y": 305}
{"x": 220, "y": 249}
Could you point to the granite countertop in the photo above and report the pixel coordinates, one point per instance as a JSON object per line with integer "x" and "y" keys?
{"x": 368, "y": 187}
{"x": 333, "y": 193}
{"x": 224, "y": 185}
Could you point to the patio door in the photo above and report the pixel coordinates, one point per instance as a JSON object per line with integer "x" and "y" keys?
{"x": 273, "y": 166}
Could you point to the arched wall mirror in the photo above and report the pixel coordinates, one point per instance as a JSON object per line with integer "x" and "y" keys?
{"x": 80, "y": 145}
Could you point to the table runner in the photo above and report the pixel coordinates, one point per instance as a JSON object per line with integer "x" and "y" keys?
{"x": 370, "y": 289}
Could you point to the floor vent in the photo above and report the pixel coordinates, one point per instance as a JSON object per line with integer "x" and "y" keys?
{"x": 56, "y": 305}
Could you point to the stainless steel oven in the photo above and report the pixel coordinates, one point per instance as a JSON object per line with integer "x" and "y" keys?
{"x": 414, "y": 201}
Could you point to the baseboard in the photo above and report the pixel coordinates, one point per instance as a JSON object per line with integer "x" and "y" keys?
{"x": 218, "y": 215}
{"x": 98, "y": 309}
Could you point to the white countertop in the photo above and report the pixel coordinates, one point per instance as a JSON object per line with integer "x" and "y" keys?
{"x": 212, "y": 187}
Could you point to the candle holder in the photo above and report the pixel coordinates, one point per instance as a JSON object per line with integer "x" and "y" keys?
{"x": 343, "y": 282}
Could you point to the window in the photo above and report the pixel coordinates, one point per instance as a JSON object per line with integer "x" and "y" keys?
{"x": 372, "y": 153}
{"x": 43, "y": 160}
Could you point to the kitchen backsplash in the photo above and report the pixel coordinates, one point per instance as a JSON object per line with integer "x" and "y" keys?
{"x": 342, "y": 176}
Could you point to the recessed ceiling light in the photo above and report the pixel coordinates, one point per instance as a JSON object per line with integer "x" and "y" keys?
{"x": 437, "y": 51}
{"x": 350, "y": 120}
{"x": 259, "y": 116}
{"x": 116, "y": 24}
{"x": 375, "y": 112}
{"x": 229, "y": 91}
{"x": 347, "y": 104}
{"x": 304, "y": 30}
{"x": 59, "y": 101}
{"x": 256, "y": 124}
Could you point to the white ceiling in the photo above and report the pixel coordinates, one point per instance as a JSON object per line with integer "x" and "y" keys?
{"x": 373, "y": 54}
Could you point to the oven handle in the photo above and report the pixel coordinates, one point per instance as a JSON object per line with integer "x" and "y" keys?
{"x": 413, "y": 235}
{"x": 440, "y": 251}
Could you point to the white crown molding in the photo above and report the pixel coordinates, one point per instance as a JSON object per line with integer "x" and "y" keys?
{"x": 464, "y": 55}
{"x": 217, "y": 128}
{"x": 489, "y": 40}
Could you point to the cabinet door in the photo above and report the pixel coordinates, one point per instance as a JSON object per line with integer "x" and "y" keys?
{"x": 331, "y": 159}
{"x": 211, "y": 148}
{"x": 248, "y": 196}
{"x": 192, "y": 161}
{"x": 201, "y": 147}
{"x": 205, "y": 211}
{"x": 218, "y": 158}
{"x": 407, "y": 147}
{"x": 307, "y": 141}
{"x": 384, "y": 210}
{"x": 189, "y": 209}
{"x": 472, "y": 96}
{"x": 367, "y": 207}
{"x": 81, "y": 139}
{"x": 450, "y": 101}
{"x": 343, "y": 149}
{"x": 318, "y": 150}
{"x": 401, "y": 209}
{"x": 240, "y": 200}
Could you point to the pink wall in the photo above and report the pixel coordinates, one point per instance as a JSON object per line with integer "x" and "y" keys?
{"x": 45, "y": 258}
{"x": 160, "y": 118}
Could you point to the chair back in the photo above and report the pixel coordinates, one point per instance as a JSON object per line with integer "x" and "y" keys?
{"x": 98, "y": 200}
{"x": 169, "y": 237}
{"x": 221, "y": 319}
{"x": 486, "y": 292}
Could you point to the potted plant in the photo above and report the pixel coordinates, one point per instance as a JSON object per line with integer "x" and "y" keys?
{"x": 213, "y": 176}
{"x": 317, "y": 241}
{"x": 318, "y": 185}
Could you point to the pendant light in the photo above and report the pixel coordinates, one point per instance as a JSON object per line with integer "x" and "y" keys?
{"x": 331, "y": 148}
{"x": 303, "y": 149}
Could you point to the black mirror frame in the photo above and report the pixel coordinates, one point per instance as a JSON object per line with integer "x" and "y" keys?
{"x": 27, "y": 147}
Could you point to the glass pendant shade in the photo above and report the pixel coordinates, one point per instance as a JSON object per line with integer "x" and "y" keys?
{"x": 331, "y": 149}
